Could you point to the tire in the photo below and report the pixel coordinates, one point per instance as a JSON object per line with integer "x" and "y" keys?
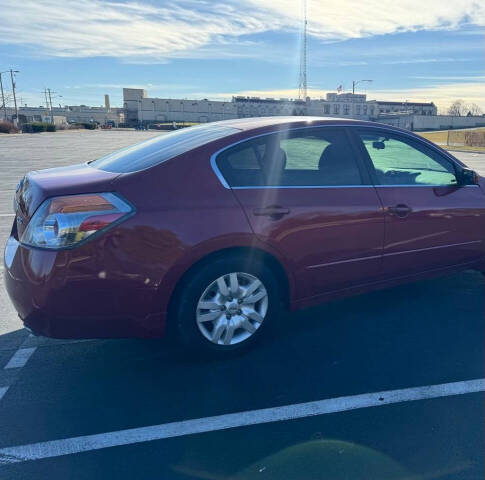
{"x": 233, "y": 311}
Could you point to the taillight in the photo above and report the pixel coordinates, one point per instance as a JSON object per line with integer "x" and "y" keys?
{"x": 62, "y": 222}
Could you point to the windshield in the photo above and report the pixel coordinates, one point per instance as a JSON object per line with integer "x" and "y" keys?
{"x": 161, "y": 148}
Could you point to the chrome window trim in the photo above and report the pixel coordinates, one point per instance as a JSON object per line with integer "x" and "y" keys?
{"x": 224, "y": 183}
{"x": 216, "y": 170}
{"x": 273, "y": 187}
{"x": 424, "y": 185}
{"x": 370, "y": 185}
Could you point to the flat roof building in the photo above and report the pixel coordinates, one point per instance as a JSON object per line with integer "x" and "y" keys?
{"x": 406, "y": 108}
{"x": 140, "y": 108}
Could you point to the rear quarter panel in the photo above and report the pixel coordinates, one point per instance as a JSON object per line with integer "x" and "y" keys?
{"x": 184, "y": 213}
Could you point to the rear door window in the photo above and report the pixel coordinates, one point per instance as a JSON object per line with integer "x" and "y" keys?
{"x": 297, "y": 158}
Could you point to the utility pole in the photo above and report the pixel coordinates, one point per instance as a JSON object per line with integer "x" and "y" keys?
{"x": 46, "y": 101}
{"x": 14, "y": 97}
{"x": 45, "y": 97}
{"x": 3, "y": 98}
{"x": 50, "y": 103}
{"x": 355, "y": 82}
{"x": 302, "y": 87}
{"x": 49, "y": 95}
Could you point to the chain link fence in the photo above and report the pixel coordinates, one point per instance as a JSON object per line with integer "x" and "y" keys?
{"x": 466, "y": 138}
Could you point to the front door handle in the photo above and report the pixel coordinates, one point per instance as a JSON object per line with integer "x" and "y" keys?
{"x": 274, "y": 211}
{"x": 400, "y": 210}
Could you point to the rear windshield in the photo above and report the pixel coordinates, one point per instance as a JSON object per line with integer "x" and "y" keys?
{"x": 159, "y": 149}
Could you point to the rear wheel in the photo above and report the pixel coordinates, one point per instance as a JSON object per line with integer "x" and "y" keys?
{"x": 227, "y": 304}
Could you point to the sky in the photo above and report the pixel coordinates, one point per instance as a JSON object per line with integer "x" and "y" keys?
{"x": 415, "y": 50}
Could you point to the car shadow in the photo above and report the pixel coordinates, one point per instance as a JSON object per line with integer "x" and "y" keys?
{"x": 426, "y": 333}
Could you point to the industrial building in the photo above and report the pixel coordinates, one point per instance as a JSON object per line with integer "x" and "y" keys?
{"x": 141, "y": 109}
{"x": 407, "y": 108}
{"x": 68, "y": 114}
{"x": 432, "y": 122}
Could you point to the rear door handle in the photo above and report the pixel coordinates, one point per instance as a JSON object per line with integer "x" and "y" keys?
{"x": 400, "y": 210}
{"x": 274, "y": 211}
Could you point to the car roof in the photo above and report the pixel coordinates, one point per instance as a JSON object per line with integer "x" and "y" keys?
{"x": 252, "y": 123}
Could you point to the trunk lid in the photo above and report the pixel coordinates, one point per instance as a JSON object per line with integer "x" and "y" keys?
{"x": 39, "y": 185}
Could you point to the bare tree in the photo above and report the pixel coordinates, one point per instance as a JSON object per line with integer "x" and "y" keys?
{"x": 474, "y": 109}
{"x": 457, "y": 108}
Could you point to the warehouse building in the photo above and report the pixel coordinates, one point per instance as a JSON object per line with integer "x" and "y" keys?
{"x": 139, "y": 108}
{"x": 71, "y": 114}
{"x": 432, "y": 122}
{"x": 406, "y": 108}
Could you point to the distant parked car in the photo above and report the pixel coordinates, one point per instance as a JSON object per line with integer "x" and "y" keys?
{"x": 211, "y": 230}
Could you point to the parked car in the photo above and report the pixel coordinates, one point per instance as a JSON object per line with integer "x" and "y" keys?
{"x": 212, "y": 230}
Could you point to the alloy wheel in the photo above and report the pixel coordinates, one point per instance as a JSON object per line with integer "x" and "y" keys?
{"x": 232, "y": 308}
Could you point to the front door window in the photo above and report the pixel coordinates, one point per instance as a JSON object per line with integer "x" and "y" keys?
{"x": 399, "y": 161}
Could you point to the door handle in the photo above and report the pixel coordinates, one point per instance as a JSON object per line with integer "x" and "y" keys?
{"x": 274, "y": 211}
{"x": 400, "y": 210}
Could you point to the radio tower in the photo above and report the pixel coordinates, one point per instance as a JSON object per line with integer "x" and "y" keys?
{"x": 302, "y": 86}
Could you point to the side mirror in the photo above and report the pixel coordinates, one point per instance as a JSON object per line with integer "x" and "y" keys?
{"x": 378, "y": 145}
{"x": 468, "y": 177}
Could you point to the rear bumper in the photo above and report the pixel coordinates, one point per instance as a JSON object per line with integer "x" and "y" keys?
{"x": 68, "y": 327}
{"x": 75, "y": 294}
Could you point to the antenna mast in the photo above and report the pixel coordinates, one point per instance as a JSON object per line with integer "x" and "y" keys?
{"x": 302, "y": 86}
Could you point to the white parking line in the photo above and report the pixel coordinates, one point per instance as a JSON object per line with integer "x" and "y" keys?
{"x": 18, "y": 360}
{"x": 7, "y": 214}
{"x": 68, "y": 446}
{"x": 20, "y": 357}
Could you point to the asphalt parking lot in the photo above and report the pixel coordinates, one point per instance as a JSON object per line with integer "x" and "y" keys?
{"x": 387, "y": 385}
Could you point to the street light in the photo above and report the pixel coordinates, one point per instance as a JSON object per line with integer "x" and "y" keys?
{"x": 356, "y": 82}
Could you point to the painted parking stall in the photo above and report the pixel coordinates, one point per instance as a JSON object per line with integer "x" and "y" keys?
{"x": 69, "y": 446}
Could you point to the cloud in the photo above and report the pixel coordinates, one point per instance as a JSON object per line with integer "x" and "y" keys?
{"x": 120, "y": 86}
{"x": 462, "y": 78}
{"x": 355, "y": 19}
{"x": 426, "y": 60}
{"x": 138, "y": 32}
{"x": 87, "y": 28}
{"x": 467, "y": 33}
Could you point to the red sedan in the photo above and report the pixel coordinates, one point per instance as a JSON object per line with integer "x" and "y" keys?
{"x": 210, "y": 230}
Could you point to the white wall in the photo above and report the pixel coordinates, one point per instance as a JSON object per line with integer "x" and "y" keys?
{"x": 433, "y": 122}
{"x": 72, "y": 114}
{"x": 168, "y": 109}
